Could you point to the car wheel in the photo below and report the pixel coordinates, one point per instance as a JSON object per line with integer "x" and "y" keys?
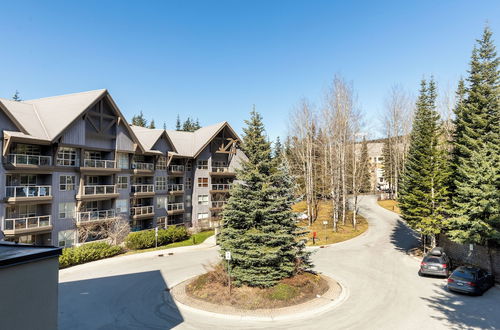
{"x": 420, "y": 274}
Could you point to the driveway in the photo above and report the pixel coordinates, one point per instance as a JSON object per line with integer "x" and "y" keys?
{"x": 384, "y": 289}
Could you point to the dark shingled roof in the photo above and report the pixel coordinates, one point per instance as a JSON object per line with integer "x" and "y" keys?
{"x": 13, "y": 254}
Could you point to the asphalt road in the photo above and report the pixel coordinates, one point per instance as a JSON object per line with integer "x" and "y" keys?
{"x": 385, "y": 291}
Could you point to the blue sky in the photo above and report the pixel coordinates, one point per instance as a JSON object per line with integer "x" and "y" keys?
{"x": 213, "y": 60}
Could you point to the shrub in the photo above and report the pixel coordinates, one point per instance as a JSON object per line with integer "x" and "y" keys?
{"x": 146, "y": 238}
{"x": 87, "y": 252}
{"x": 283, "y": 292}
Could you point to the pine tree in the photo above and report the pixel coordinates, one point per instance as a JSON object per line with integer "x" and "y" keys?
{"x": 139, "y": 120}
{"x": 16, "y": 96}
{"x": 152, "y": 124}
{"x": 278, "y": 148}
{"x": 259, "y": 227}
{"x": 365, "y": 176}
{"x": 196, "y": 125}
{"x": 178, "y": 124}
{"x": 164, "y": 125}
{"x": 476, "y": 199}
{"x": 424, "y": 192}
{"x": 187, "y": 126}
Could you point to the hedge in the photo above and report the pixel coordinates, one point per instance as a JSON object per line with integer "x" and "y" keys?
{"x": 146, "y": 238}
{"x": 87, "y": 252}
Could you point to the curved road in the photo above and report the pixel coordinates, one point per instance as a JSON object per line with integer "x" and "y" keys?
{"x": 385, "y": 291}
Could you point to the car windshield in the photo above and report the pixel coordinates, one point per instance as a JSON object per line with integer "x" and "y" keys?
{"x": 433, "y": 260}
{"x": 463, "y": 274}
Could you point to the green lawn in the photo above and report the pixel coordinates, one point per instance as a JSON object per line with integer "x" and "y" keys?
{"x": 195, "y": 239}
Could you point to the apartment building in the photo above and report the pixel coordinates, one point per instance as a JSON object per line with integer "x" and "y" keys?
{"x": 73, "y": 161}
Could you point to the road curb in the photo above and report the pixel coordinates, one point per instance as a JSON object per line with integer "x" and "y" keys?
{"x": 343, "y": 296}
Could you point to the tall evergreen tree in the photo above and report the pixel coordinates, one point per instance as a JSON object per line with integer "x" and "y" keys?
{"x": 139, "y": 120}
{"x": 365, "y": 173}
{"x": 178, "y": 124}
{"x": 259, "y": 227}
{"x": 278, "y": 148}
{"x": 476, "y": 198}
{"x": 423, "y": 191}
{"x": 187, "y": 126}
{"x": 16, "y": 96}
{"x": 164, "y": 125}
{"x": 152, "y": 124}
{"x": 196, "y": 125}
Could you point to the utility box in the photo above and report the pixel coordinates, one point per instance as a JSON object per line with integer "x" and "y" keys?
{"x": 29, "y": 277}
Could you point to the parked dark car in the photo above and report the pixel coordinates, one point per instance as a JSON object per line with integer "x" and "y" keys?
{"x": 436, "y": 262}
{"x": 471, "y": 280}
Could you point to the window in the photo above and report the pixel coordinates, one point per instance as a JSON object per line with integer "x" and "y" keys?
{"x": 122, "y": 182}
{"x": 189, "y": 166}
{"x": 187, "y": 216}
{"x": 92, "y": 180}
{"x": 202, "y": 216}
{"x": 94, "y": 155}
{"x": 27, "y": 149}
{"x": 202, "y": 182}
{"x": 66, "y": 238}
{"x": 67, "y": 157}
{"x": 122, "y": 205}
{"x": 161, "y": 222}
{"x": 202, "y": 165}
{"x": 21, "y": 211}
{"x": 67, "y": 210}
{"x": 67, "y": 182}
{"x": 91, "y": 206}
{"x": 28, "y": 180}
{"x": 187, "y": 200}
{"x": 161, "y": 183}
{"x": 123, "y": 161}
{"x": 189, "y": 183}
{"x": 202, "y": 199}
{"x": 162, "y": 164}
{"x": 161, "y": 202}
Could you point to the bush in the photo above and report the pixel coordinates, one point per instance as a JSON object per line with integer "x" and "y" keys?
{"x": 87, "y": 252}
{"x": 146, "y": 238}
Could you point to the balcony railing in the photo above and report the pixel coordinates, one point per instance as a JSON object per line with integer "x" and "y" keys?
{"x": 218, "y": 204}
{"x": 18, "y": 159}
{"x": 221, "y": 169}
{"x": 222, "y": 186}
{"x": 175, "y": 207}
{"x": 141, "y": 210}
{"x": 143, "y": 188}
{"x": 176, "y": 168}
{"x": 143, "y": 166}
{"x": 27, "y": 191}
{"x": 27, "y": 223}
{"x": 90, "y": 216}
{"x": 96, "y": 163}
{"x": 99, "y": 189}
{"x": 175, "y": 187}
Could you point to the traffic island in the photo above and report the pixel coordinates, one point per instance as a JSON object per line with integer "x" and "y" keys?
{"x": 303, "y": 295}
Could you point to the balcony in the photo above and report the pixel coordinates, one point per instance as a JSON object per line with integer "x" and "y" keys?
{"x": 176, "y": 170}
{"x": 218, "y": 204}
{"x": 221, "y": 171}
{"x": 83, "y": 218}
{"x": 27, "y": 225}
{"x": 98, "y": 192}
{"x": 175, "y": 189}
{"x": 28, "y": 193}
{"x": 143, "y": 168}
{"x": 142, "y": 190}
{"x": 97, "y": 165}
{"x": 175, "y": 208}
{"x": 139, "y": 212}
{"x": 221, "y": 187}
{"x": 30, "y": 161}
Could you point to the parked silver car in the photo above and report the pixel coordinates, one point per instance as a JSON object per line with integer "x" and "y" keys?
{"x": 436, "y": 263}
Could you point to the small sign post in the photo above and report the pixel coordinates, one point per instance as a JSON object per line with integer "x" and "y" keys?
{"x": 228, "y": 258}
{"x": 156, "y": 236}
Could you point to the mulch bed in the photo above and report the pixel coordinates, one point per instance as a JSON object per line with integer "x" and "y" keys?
{"x": 212, "y": 287}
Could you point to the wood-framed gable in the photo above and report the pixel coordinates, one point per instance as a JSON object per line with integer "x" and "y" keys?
{"x": 229, "y": 143}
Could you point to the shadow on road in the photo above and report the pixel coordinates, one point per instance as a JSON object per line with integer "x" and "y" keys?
{"x": 130, "y": 301}
{"x": 403, "y": 238}
{"x": 466, "y": 312}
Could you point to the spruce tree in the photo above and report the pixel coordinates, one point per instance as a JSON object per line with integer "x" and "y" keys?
{"x": 423, "y": 190}
{"x": 16, "y": 97}
{"x": 259, "y": 227}
{"x": 139, "y": 120}
{"x": 278, "y": 148}
{"x": 365, "y": 174}
{"x": 178, "y": 124}
{"x": 152, "y": 124}
{"x": 164, "y": 125}
{"x": 476, "y": 196}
